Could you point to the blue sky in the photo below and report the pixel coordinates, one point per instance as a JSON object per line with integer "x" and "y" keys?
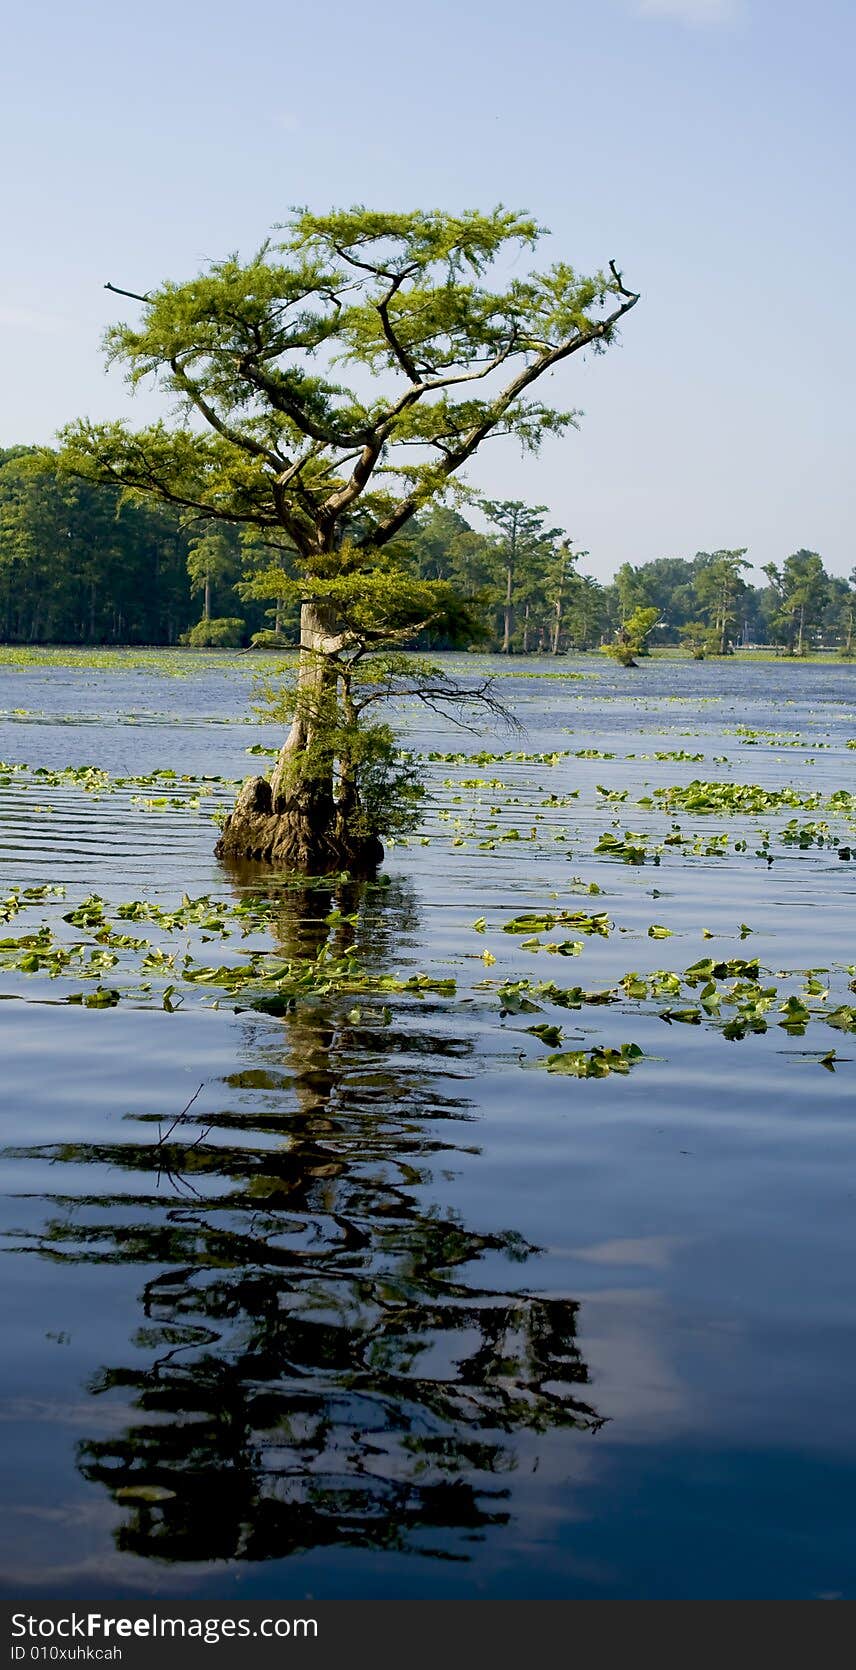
{"x": 707, "y": 145}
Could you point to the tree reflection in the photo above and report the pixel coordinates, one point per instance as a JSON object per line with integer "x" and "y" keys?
{"x": 326, "y": 1356}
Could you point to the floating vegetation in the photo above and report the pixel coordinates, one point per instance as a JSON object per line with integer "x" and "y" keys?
{"x": 473, "y": 783}
{"x": 730, "y": 994}
{"x": 484, "y": 757}
{"x": 94, "y": 780}
{"x": 151, "y": 951}
{"x": 595, "y": 1063}
{"x": 748, "y": 798}
{"x": 166, "y": 663}
{"x": 23, "y": 898}
{"x": 265, "y": 980}
{"x": 315, "y": 1123}
{"x": 629, "y": 848}
{"x": 734, "y": 995}
{"x": 535, "y": 923}
{"x": 750, "y": 738}
{"x": 796, "y": 834}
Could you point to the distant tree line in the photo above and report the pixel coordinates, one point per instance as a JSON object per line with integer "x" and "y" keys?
{"x": 87, "y": 564}
{"x": 80, "y": 564}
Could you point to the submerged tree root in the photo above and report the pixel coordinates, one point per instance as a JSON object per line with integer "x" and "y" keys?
{"x": 292, "y": 837}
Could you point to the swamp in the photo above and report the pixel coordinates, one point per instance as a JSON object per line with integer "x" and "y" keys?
{"x": 483, "y": 1228}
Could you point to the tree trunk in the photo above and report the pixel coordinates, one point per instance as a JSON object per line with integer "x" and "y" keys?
{"x": 526, "y": 631}
{"x": 801, "y": 637}
{"x": 297, "y": 819}
{"x": 508, "y": 613}
{"x": 206, "y": 611}
{"x": 557, "y": 628}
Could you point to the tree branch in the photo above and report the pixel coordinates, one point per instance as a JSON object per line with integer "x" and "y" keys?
{"x": 398, "y": 350}
{"x": 280, "y": 401}
{"x": 244, "y": 443}
{"x": 443, "y": 694}
{"x": 620, "y": 285}
{"x": 145, "y": 480}
{"x": 530, "y": 372}
{"x": 132, "y": 293}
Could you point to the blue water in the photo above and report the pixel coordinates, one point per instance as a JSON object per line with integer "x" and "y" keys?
{"x": 395, "y": 1312}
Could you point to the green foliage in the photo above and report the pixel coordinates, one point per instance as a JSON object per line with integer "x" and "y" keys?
{"x": 624, "y": 654}
{"x": 596, "y": 1063}
{"x": 267, "y": 640}
{"x": 630, "y": 639}
{"x": 216, "y": 634}
{"x": 525, "y": 548}
{"x": 373, "y": 597}
{"x": 727, "y": 798}
{"x": 390, "y": 790}
{"x": 252, "y": 347}
{"x": 213, "y": 563}
{"x": 78, "y": 564}
{"x": 85, "y": 563}
{"x": 695, "y": 637}
{"x": 638, "y": 626}
{"x": 383, "y": 782}
{"x": 800, "y": 592}
{"x": 719, "y": 585}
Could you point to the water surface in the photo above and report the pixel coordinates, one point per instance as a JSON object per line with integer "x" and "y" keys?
{"x": 391, "y": 1310}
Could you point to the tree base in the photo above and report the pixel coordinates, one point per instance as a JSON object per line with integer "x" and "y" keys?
{"x": 288, "y": 838}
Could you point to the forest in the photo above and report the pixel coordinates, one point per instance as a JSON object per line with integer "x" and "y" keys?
{"x": 86, "y": 563}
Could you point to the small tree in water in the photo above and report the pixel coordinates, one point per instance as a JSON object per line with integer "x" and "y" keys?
{"x": 630, "y": 638}
{"x": 328, "y": 474}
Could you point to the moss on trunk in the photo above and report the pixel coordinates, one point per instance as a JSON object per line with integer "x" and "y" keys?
{"x": 300, "y": 819}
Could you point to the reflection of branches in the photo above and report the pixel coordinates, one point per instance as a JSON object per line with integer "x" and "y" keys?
{"x": 369, "y": 1412}
{"x": 178, "y": 1181}
{"x": 164, "y": 1136}
{"x": 323, "y": 1358}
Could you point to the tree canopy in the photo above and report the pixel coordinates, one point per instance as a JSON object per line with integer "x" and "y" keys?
{"x": 275, "y": 438}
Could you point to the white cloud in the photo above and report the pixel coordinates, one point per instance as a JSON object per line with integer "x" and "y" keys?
{"x": 690, "y": 11}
